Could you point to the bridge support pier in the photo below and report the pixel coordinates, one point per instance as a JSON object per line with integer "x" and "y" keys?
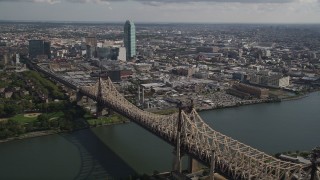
{"x": 176, "y": 166}
{"x": 99, "y": 109}
{"x": 110, "y": 112}
{"x": 212, "y": 165}
{"x": 79, "y": 96}
{"x": 177, "y": 162}
{"x": 194, "y": 165}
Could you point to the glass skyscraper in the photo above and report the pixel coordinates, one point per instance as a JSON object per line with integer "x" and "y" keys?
{"x": 130, "y": 39}
{"x": 39, "y": 47}
{"x": 36, "y": 47}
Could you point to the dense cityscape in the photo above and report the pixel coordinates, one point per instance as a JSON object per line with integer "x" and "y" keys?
{"x": 154, "y": 66}
{"x": 245, "y": 63}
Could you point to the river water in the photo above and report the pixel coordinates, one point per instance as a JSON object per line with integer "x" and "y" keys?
{"x": 121, "y": 150}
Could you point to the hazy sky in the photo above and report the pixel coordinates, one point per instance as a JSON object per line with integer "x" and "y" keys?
{"x": 212, "y": 11}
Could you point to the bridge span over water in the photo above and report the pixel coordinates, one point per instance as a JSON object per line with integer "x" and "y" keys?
{"x": 190, "y": 134}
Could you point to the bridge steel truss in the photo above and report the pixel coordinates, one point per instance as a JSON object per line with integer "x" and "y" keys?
{"x": 198, "y": 139}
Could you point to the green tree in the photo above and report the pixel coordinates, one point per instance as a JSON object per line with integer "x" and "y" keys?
{"x": 2, "y": 112}
{"x": 44, "y": 121}
{"x": 12, "y": 109}
{"x": 4, "y": 133}
{"x": 29, "y": 127}
{"x": 14, "y": 128}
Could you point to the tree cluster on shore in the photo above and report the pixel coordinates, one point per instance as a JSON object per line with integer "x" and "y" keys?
{"x": 30, "y": 92}
{"x": 65, "y": 117}
{"x": 26, "y": 92}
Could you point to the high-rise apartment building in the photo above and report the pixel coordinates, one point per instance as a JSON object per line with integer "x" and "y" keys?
{"x": 130, "y": 39}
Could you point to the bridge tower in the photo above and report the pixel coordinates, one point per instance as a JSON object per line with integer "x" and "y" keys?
{"x": 99, "y": 105}
{"x": 315, "y": 162}
{"x": 177, "y": 161}
{"x": 212, "y": 165}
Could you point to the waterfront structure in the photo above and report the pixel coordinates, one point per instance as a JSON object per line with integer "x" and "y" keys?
{"x": 39, "y": 48}
{"x": 248, "y": 90}
{"x": 270, "y": 80}
{"x": 130, "y": 39}
{"x": 278, "y": 81}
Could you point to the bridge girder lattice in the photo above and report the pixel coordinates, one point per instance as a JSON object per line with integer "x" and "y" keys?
{"x": 237, "y": 159}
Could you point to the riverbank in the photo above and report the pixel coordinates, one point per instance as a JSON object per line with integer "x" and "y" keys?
{"x": 303, "y": 95}
{"x": 251, "y": 102}
{"x": 30, "y": 135}
{"x": 296, "y": 97}
{"x": 162, "y": 111}
{"x": 51, "y": 132}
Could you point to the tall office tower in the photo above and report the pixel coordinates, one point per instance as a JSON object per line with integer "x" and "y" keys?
{"x": 47, "y": 49}
{"x": 91, "y": 40}
{"x": 130, "y": 39}
{"x": 36, "y": 48}
{"x": 39, "y": 47}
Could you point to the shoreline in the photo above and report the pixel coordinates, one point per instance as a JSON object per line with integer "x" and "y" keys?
{"x": 35, "y": 134}
{"x": 30, "y": 135}
{"x": 201, "y": 109}
{"x": 298, "y": 97}
{"x": 52, "y": 132}
{"x": 237, "y": 105}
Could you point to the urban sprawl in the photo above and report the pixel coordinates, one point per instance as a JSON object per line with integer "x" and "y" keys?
{"x": 158, "y": 66}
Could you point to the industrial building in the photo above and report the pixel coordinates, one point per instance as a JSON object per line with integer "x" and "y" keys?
{"x": 244, "y": 90}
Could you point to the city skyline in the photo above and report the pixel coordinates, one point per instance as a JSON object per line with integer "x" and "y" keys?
{"x": 142, "y": 11}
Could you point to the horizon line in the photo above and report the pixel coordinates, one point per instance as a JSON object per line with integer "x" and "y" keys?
{"x": 139, "y": 22}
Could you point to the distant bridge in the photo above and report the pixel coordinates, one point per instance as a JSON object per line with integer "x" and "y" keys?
{"x": 190, "y": 134}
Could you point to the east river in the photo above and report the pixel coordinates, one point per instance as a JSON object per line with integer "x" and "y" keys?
{"x": 121, "y": 150}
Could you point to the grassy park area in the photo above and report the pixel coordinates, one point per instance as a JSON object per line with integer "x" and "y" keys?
{"x": 32, "y": 117}
{"x": 25, "y": 118}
